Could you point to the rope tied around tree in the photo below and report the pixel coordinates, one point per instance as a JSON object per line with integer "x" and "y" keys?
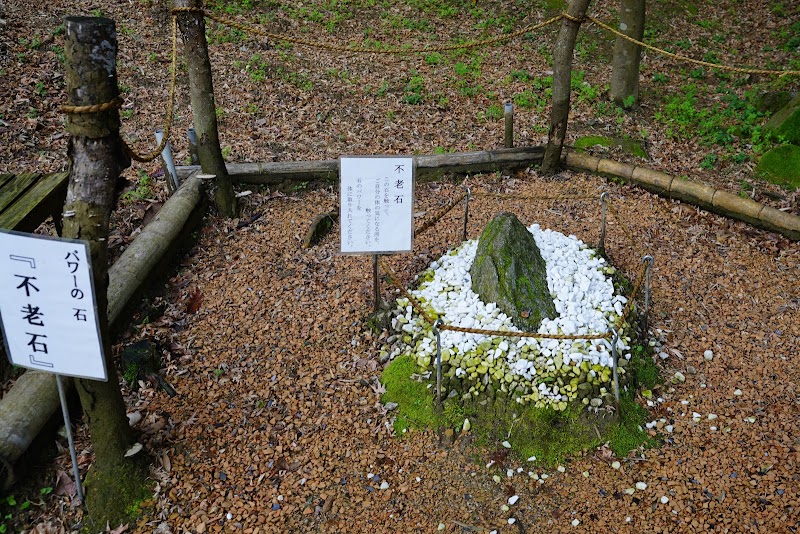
{"x": 94, "y": 108}
{"x": 117, "y": 103}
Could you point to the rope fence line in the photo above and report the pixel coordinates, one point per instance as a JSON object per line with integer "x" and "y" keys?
{"x": 250, "y": 28}
{"x": 618, "y": 323}
{"x": 687, "y": 59}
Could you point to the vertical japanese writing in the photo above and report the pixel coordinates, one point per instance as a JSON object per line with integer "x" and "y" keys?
{"x": 31, "y": 313}
{"x": 349, "y": 216}
{"x": 377, "y": 211}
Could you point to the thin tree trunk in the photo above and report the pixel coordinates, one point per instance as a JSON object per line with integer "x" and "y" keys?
{"x": 627, "y": 55}
{"x": 204, "y": 110}
{"x": 97, "y": 158}
{"x": 562, "y": 76}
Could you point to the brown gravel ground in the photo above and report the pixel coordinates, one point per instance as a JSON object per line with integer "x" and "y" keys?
{"x": 277, "y": 420}
{"x": 276, "y": 402}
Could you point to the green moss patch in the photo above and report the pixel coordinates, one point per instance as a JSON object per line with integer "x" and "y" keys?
{"x": 781, "y": 166}
{"x": 547, "y": 434}
{"x": 629, "y": 146}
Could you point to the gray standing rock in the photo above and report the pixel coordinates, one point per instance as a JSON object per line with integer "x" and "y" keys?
{"x": 509, "y": 270}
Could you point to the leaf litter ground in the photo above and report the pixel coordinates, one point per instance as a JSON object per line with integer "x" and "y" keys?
{"x": 277, "y": 422}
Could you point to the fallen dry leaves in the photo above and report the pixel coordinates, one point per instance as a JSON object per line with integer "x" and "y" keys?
{"x": 276, "y": 427}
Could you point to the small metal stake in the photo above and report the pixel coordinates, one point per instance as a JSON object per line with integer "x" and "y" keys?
{"x": 615, "y": 357}
{"x": 376, "y": 284}
{"x": 169, "y": 163}
{"x": 438, "y": 363}
{"x": 466, "y": 212}
{"x": 192, "y": 135}
{"x": 70, "y": 441}
{"x": 601, "y": 246}
{"x": 649, "y": 261}
{"x": 509, "y": 124}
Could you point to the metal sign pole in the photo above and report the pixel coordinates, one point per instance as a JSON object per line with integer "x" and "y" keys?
{"x": 376, "y": 285}
{"x": 70, "y": 440}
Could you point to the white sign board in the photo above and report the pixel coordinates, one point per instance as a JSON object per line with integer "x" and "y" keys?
{"x": 377, "y": 198}
{"x": 47, "y": 306}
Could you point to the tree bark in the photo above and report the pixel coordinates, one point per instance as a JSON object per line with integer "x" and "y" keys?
{"x": 26, "y": 408}
{"x": 627, "y": 55}
{"x": 562, "y": 78}
{"x": 204, "y": 110}
{"x": 97, "y": 158}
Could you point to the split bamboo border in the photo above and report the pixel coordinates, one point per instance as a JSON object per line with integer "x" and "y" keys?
{"x": 693, "y": 192}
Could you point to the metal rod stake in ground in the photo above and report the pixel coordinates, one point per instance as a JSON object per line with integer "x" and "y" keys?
{"x": 649, "y": 261}
{"x": 615, "y": 358}
{"x": 601, "y": 246}
{"x": 192, "y": 135}
{"x": 376, "y": 284}
{"x": 508, "y": 110}
{"x": 466, "y": 212}
{"x": 70, "y": 441}
{"x": 169, "y": 163}
{"x": 438, "y": 362}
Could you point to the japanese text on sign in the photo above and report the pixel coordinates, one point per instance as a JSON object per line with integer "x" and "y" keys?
{"x": 376, "y": 204}
{"x": 47, "y": 306}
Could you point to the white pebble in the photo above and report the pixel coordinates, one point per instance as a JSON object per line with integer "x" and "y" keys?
{"x": 513, "y": 499}
{"x": 511, "y": 520}
{"x": 712, "y": 416}
{"x": 561, "y": 468}
{"x": 505, "y": 508}
{"x": 616, "y": 465}
{"x": 575, "y": 522}
{"x": 440, "y": 527}
{"x": 229, "y": 516}
{"x": 664, "y": 499}
{"x": 708, "y": 355}
{"x": 641, "y": 486}
{"x": 506, "y": 444}
{"x": 384, "y": 485}
{"x": 737, "y": 392}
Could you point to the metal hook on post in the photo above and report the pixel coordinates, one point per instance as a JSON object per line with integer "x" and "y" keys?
{"x": 648, "y": 259}
{"x": 466, "y": 211}
{"x": 601, "y": 246}
{"x": 436, "y": 333}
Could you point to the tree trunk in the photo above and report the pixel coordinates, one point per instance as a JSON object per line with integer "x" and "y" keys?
{"x": 562, "y": 78}
{"x": 97, "y": 158}
{"x": 204, "y": 110}
{"x": 625, "y": 65}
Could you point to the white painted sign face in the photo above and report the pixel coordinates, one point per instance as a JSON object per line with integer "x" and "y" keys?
{"x": 47, "y": 306}
{"x": 377, "y": 197}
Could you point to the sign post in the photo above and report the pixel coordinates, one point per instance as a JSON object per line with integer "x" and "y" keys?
{"x": 48, "y": 312}
{"x": 376, "y": 207}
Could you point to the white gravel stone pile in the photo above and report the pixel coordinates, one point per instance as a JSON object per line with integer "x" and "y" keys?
{"x": 542, "y": 371}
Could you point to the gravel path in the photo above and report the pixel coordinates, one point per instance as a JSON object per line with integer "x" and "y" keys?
{"x": 277, "y": 424}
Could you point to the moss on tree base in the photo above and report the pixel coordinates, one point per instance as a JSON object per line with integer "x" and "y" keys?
{"x": 115, "y": 493}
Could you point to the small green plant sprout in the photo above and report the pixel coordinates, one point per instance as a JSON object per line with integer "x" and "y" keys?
{"x": 709, "y": 161}
{"x": 142, "y": 190}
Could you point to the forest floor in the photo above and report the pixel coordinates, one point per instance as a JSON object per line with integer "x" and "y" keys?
{"x": 277, "y": 422}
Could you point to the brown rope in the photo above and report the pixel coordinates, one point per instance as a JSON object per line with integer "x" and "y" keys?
{"x": 95, "y": 108}
{"x": 249, "y": 28}
{"x": 690, "y": 60}
{"x": 150, "y": 156}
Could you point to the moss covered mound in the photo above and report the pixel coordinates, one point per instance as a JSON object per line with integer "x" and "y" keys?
{"x": 629, "y": 146}
{"x": 509, "y": 270}
{"x": 786, "y": 122}
{"x": 781, "y": 166}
